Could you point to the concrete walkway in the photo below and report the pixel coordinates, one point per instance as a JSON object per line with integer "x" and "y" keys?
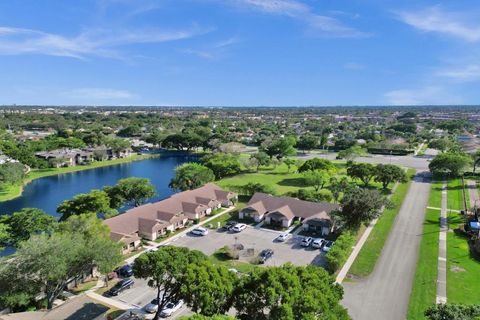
{"x": 442, "y": 250}
{"x": 473, "y": 193}
{"x": 385, "y": 293}
{"x": 179, "y": 235}
{"x": 108, "y": 301}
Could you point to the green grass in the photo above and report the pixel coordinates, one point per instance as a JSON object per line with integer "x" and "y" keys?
{"x": 14, "y": 191}
{"x": 463, "y": 285}
{"x": 368, "y": 256}
{"x": 424, "y": 289}
{"x": 82, "y": 287}
{"x": 219, "y": 258}
{"x": 455, "y": 194}
{"x": 435, "y": 199}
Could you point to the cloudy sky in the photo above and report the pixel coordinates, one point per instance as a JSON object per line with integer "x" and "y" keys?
{"x": 239, "y": 52}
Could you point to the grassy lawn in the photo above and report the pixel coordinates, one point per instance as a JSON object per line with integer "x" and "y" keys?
{"x": 435, "y": 199}
{"x": 82, "y": 287}
{"x": 463, "y": 285}
{"x": 455, "y": 194}
{"x": 219, "y": 257}
{"x": 425, "y": 282}
{"x": 366, "y": 259}
{"x": 12, "y": 192}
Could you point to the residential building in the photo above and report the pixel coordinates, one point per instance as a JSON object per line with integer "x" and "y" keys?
{"x": 153, "y": 220}
{"x": 282, "y": 212}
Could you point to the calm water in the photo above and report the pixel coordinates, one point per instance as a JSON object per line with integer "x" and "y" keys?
{"x": 47, "y": 193}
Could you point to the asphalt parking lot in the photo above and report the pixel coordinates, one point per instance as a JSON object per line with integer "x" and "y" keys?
{"x": 258, "y": 239}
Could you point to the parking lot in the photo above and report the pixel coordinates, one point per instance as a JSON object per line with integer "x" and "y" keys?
{"x": 257, "y": 239}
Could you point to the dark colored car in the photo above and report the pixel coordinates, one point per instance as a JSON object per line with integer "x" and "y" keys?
{"x": 126, "y": 271}
{"x": 229, "y": 225}
{"x": 121, "y": 286}
{"x": 265, "y": 255}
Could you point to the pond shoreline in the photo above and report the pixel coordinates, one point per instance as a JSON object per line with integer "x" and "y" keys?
{"x": 16, "y": 191}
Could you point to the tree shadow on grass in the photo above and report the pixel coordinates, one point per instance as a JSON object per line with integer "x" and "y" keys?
{"x": 292, "y": 182}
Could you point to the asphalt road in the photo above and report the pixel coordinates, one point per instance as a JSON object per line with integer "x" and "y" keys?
{"x": 385, "y": 293}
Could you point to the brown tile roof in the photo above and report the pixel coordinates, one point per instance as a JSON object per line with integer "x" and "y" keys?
{"x": 299, "y": 208}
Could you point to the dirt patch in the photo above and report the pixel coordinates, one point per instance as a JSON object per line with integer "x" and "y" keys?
{"x": 457, "y": 269}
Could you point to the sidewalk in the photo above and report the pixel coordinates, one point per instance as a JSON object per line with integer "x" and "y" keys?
{"x": 108, "y": 301}
{"x": 442, "y": 250}
{"x": 178, "y": 235}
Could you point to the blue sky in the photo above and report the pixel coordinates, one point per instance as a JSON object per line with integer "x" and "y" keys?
{"x": 239, "y": 52}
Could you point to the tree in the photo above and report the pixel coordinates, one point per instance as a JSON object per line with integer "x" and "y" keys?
{"x": 317, "y": 179}
{"x": 46, "y": 263}
{"x": 156, "y": 138}
{"x": 165, "y": 270}
{"x": 442, "y": 144}
{"x": 260, "y": 159}
{"x": 339, "y": 253}
{"x": 201, "y": 317}
{"x": 252, "y": 187}
{"x": 134, "y": 191}
{"x": 289, "y": 292}
{"x": 310, "y": 195}
{"x": 29, "y": 221}
{"x": 118, "y": 144}
{"x": 476, "y": 159}
{"x": 190, "y": 176}
{"x": 289, "y": 162}
{"x": 350, "y": 154}
{"x": 337, "y": 186}
{"x": 4, "y": 234}
{"x": 360, "y": 206}
{"x": 317, "y": 164}
{"x": 307, "y": 142}
{"x": 279, "y": 148}
{"x": 96, "y": 201}
{"x": 453, "y": 312}
{"x": 208, "y": 288}
{"x": 222, "y": 164}
{"x": 11, "y": 173}
{"x": 449, "y": 163}
{"x": 389, "y": 173}
{"x": 362, "y": 171}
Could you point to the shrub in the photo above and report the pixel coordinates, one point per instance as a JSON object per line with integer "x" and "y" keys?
{"x": 338, "y": 254}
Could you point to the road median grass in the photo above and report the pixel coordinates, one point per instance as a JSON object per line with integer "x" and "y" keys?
{"x": 455, "y": 194}
{"x": 14, "y": 191}
{"x": 370, "y": 252}
{"x": 424, "y": 288}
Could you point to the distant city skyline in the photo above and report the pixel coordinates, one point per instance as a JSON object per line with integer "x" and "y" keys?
{"x": 239, "y": 52}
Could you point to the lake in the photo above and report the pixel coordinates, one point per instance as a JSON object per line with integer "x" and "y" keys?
{"x": 47, "y": 193}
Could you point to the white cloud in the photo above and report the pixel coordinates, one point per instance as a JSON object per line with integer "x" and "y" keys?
{"x": 465, "y": 26}
{"x": 321, "y": 24}
{"x": 93, "y": 42}
{"x": 98, "y": 94}
{"x": 422, "y": 96}
{"x": 468, "y": 73}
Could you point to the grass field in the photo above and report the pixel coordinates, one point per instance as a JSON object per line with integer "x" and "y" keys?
{"x": 368, "y": 256}
{"x": 463, "y": 285}
{"x": 425, "y": 281}
{"x": 12, "y": 192}
{"x": 455, "y": 194}
{"x": 435, "y": 199}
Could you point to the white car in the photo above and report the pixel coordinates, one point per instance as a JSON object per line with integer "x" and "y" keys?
{"x": 283, "y": 237}
{"x": 327, "y": 246}
{"x": 306, "y": 242}
{"x": 200, "y": 231}
{"x": 318, "y": 243}
{"x": 171, "y": 308}
{"x": 239, "y": 227}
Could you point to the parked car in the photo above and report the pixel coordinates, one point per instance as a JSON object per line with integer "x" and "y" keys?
{"x": 318, "y": 243}
{"x": 152, "y": 307}
{"x": 283, "y": 237}
{"x": 229, "y": 225}
{"x": 327, "y": 246}
{"x": 200, "y": 231}
{"x": 125, "y": 271}
{"x": 239, "y": 227}
{"x": 122, "y": 285}
{"x": 171, "y": 308}
{"x": 306, "y": 242}
{"x": 265, "y": 255}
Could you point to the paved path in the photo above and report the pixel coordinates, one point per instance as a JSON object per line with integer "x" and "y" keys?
{"x": 385, "y": 293}
{"x": 108, "y": 301}
{"x": 442, "y": 250}
{"x": 473, "y": 193}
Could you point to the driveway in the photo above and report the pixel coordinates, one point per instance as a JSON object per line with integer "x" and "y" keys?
{"x": 385, "y": 293}
{"x": 258, "y": 239}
